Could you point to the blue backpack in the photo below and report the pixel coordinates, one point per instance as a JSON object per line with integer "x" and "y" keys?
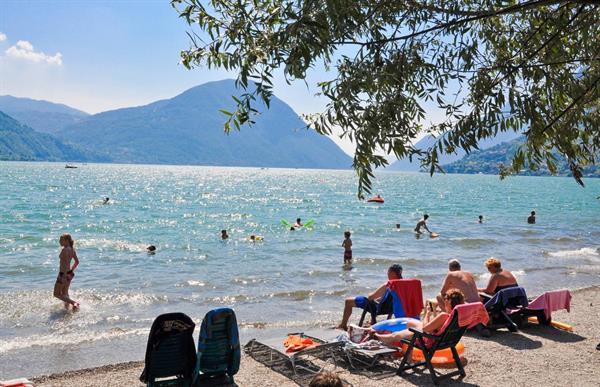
{"x": 218, "y": 347}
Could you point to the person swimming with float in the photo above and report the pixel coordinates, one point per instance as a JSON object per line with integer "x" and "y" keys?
{"x": 422, "y": 224}
{"x": 66, "y": 272}
{"x": 298, "y": 223}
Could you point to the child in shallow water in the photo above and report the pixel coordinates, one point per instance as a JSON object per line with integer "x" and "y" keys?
{"x": 347, "y": 245}
{"x": 66, "y": 272}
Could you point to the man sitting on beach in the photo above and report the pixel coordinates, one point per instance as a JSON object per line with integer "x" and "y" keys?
{"x": 394, "y": 272}
{"x": 461, "y": 280}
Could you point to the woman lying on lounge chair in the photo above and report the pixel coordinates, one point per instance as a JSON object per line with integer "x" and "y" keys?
{"x": 452, "y": 298}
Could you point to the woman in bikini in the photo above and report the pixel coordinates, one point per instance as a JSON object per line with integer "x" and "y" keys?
{"x": 66, "y": 271}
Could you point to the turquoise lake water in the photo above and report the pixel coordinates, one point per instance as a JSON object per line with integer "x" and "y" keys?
{"x": 289, "y": 281}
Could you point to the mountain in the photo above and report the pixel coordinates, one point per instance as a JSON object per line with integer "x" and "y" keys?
{"x": 20, "y": 142}
{"x": 42, "y": 116}
{"x": 486, "y": 161}
{"x": 428, "y": 141}
{"x": 188, "y": 129}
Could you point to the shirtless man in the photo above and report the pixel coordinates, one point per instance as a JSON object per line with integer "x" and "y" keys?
{"x": 461, "y": 280}
{"x": 531, "y": 218}
{"x": 422, "y": 224}
{"x": 66, "y": 271}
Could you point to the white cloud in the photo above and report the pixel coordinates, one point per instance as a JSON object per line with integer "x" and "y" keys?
{"x": 2, "y": 37}
{"x": 24, "y": 50}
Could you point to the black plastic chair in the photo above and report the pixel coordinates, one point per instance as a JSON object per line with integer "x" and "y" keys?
{"x": 385, "y": 307}
{"x": 170, "y": 353}
{"x": 449, "y": 338}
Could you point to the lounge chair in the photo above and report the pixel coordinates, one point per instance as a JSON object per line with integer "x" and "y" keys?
{"x": 507, "y": 309}
{"x": 272, "y": 352}
{"x": 218, "y": 348}
{"x": 170, "y": 353}
{"x": 548, "y": 302}
{"x": 463, "y": 316}
{"x": 402, "y": 298}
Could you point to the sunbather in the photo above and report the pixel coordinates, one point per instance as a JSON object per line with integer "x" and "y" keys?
{"x": 500, "y": 279}
{"x": 394, "y": 272}
{"x": 430, "y": 325}
{"x": 461, "y": 280}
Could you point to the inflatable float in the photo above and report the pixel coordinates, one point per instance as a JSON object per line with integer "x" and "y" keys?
{"x": 376, "y": 199}
{"x": 308, "y": 224}
{"x": 555, "y": 324}
{"x": 441, "y": 359}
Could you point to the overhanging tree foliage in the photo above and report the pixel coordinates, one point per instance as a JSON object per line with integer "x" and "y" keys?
{"x": 531, "y": 66}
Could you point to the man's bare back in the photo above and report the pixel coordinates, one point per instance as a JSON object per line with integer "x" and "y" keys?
{"x": 463, "y": 281}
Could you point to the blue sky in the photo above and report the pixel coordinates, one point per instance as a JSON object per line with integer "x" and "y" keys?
{"x": 99, "y": 55}
{"x": 113, "y": 53}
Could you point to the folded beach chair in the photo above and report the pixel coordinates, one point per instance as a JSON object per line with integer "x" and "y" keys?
{"x": 463, "y": 317}
{"x": 170, "y": 353}
{"x": 273, "y": 353}
{"x": 402, "y": 298}
{"x": 218, "y": 348}
{"x": 506, "y": 308}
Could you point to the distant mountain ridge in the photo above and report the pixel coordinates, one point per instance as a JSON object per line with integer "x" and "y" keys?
{"x": 19, "y": 142}
{"x": 487, "y": 161}
{"x": 428, "y": 141}
{"x": 188, "y": 129}
{"x": 42, "y": 116}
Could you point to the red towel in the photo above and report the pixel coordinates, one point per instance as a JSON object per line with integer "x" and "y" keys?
{"x": 469, "y": 315}
{"x": 552, "y": 301}
{"x": 410, "y": 293}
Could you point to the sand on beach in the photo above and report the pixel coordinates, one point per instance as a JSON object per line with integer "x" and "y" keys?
{"x": 534, "y": 356}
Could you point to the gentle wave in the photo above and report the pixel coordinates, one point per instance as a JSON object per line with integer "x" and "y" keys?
{"x": 473, "y": 242}
{"x": 387, "y": 261}
{"x": 66, "y": 339}
{"x": 583, "y": 252}
{"x": 111, "y": 245}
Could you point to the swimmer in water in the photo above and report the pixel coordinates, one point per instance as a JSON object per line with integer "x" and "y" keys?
{"x": 422, "y": 224}
{"x": 224, "y": 235}
{"x": 298, "y": 223}
{"x": 105, "y": 201}
{"x": 531, "y": 218}
{"x": 480, "y": 219}
{"x": 397, "y": 226}
{"x": 151, "y": 249}
{"x": 66, "y": 271}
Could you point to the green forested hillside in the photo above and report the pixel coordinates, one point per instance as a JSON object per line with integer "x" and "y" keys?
{"x": 20, "y": 142}
{"x": 487, "y": 161}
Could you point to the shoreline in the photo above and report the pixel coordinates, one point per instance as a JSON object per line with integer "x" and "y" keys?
{"x": 534, "y": 355}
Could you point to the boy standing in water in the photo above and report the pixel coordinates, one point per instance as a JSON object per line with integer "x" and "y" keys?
{"x": 66, "y": 271}
{"x": 347, "y": 245}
